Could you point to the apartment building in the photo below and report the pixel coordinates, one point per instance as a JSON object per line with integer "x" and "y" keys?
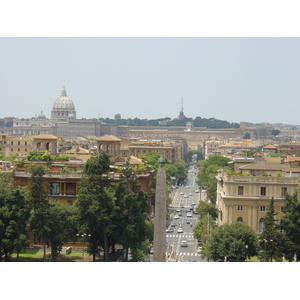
{"x": 246, "y": 197}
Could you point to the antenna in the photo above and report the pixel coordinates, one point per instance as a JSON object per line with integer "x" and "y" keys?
{"x": 182, "y": 104}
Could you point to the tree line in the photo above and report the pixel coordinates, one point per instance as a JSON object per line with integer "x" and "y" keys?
{"x": 167, "y": 122}
{"x": 106, "y": 213}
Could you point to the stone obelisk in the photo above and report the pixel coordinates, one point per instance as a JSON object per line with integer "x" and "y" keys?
{"x": 159, "y": 240}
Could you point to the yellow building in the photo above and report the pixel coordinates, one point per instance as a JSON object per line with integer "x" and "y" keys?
{"x": 20, "y": 145}
{"x": 246, "y": 197}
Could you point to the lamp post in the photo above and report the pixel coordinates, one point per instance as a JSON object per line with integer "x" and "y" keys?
{"x": 83, "y": 240}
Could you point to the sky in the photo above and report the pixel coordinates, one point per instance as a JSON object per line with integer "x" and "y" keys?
{"x": 225, "y": 65}
{"x": 234, "y": 79}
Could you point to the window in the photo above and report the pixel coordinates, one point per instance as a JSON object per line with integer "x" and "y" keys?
{"x": 263, "y": 191}
{"x": 240, "y": 207}
{"x": 262, "y": 208}
{"x": 261, "y": 225}
{"x": 240, "y": 219}
{"x": 240, "y": 190}
{"x": 54, "y": 188}
{"x": 283, "y": 191}
{"x": 71, "y": 189}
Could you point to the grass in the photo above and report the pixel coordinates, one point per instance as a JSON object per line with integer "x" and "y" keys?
{"x": 33, "y": 255}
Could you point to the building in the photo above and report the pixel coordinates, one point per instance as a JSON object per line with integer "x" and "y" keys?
{"x": 245, "y": 197}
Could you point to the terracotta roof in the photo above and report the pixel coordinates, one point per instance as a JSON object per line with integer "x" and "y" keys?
{"x": 108, "y": 138}
{"x": 269, "y": 147}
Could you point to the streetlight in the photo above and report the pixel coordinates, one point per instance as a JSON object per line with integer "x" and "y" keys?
{"x": 83, "y": 240}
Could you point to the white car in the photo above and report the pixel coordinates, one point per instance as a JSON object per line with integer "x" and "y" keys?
{"x": 180, "y": 230}
{"x": 176, "y": 217}
{"x": 189, "y": 214}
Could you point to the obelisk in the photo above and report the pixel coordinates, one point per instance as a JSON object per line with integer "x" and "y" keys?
{"x": 159, "y": 240}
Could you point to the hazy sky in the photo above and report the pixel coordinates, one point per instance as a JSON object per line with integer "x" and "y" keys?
{"x": 233, "y": 79}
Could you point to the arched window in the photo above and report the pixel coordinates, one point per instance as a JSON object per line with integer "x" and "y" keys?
{"x": 261, "y": 225}
{"x": 240, "y": 219}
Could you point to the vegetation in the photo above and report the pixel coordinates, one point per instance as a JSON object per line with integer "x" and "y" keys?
{"x": 235, "y": 241}
{"x": 207, "y": 174}
{"x": 290, "y": 221}
{"x": 96, "y": 203}
{"x": 129, "y": 227}
{"x": 45, "y": 156}
{"x": 272, "y": 241}
{"x": 198, "y": 122}
{"x": 14, "y": 215}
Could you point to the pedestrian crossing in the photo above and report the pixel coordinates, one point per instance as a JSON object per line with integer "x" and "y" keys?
{"x": 187, "y": 236}
{"x": 188, "y": 254}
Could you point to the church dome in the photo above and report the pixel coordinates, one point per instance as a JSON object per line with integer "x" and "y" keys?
{"x": 63, "y": 108}
{"x": 63, "y": 102}
{"x": 41, "y": 115}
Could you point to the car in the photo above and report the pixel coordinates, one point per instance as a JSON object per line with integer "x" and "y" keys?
{"x": 180, "y": 230}
{"x": 178, "y": 209}
{"x": 170, "y": 229}
{"x": 181, "y": 193}
{"x": 193, "y": 203}
{"x": 190, "y": 194}
{"x": 192, "y": 207}
{"x": 173, "y": 224}
{"x": 176, "y": 217}
{"x": 186, "y": 196}
{"x": 151, "y": 250}
{"x": 189, "y": 214}
{"x": 184, "y": 244}
{"x": 188, "y": 221}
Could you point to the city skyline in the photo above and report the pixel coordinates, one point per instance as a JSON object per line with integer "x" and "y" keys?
{"x": 233, "y": 79}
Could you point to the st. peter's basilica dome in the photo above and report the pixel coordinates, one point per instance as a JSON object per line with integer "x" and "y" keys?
{"x": 63, "y": 108}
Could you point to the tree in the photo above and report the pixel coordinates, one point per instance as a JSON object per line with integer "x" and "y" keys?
{"x": 40, "y": 207}
{"x": 96, "y": 203}
{"x": 14, "y": 215}
{"x": 203, "y": 231}
{"x": 271, "y": 240}
{"x": 235, "y": 241}
{"x": 247, "y": 136}
{"x": 205, "y": 208}
{"x": 207, "y": 174}
{"x": 181, "y": 167}
{"x": 62, "y": 225}
{"x": 290, "y": 221}
{"x": 275, "y": 132}
{"x": 130, "y": 220}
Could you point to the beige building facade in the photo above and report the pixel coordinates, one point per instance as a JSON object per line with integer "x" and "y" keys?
{"x": 245, "y": 198}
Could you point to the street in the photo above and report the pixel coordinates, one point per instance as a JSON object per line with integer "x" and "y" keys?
{"x": 182, "y": 245}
